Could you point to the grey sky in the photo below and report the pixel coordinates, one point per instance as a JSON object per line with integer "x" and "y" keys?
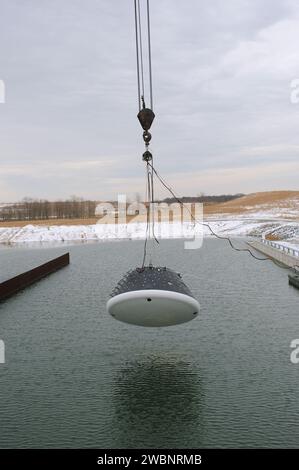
{"x": 222, "y": 73}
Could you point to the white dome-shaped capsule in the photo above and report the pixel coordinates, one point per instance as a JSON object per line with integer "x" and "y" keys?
{"x": 152, "y": 296}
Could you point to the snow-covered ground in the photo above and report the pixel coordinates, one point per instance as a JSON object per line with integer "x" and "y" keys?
{"x": 286, "y": 209}
{"x": 235, "y": 227}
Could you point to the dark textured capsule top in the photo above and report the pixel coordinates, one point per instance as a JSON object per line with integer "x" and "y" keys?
{"x": 151, "y": 278}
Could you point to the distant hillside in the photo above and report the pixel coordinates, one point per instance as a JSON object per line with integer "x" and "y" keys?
{"x": 283, "y": 204}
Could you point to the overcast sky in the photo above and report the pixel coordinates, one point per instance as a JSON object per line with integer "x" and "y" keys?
{"x": 222, "y": 72}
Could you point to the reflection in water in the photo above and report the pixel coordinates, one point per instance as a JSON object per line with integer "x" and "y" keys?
{"x": 74, "y": 377}
{"x": 157, "y": 403}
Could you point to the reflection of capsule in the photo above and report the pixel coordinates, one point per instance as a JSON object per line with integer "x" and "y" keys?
{"x": 152, "y": 296}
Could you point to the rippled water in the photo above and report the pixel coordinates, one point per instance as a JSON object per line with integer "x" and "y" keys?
{"x": 74, "y": 377}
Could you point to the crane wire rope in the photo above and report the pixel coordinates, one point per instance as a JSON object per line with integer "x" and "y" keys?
{"x": 205, "y": 224}
{"x": 150, "y": 169}
{"x": 149, "y": 55}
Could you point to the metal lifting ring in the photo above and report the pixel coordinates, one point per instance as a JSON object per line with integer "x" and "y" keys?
{"x": 147, "y": 156}
{"x": 147, "y": 137}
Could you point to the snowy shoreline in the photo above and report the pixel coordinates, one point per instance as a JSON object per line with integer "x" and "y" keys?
{"x": 235, "y": 227}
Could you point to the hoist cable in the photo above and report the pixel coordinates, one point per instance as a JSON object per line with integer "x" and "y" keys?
{"x": 140, "y": 55}
{"x": 137, "y": 54}
{"x": 150, "y": 169}
{"x": 140, "y": 50}
{"x": 205, "y": 224}
{"x": 149, "y": 55}
{"x": 148, "y": 198}
{"x": 150, "y": 215}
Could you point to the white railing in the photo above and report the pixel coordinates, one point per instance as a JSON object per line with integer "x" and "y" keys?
{"x": 285, "y": 249}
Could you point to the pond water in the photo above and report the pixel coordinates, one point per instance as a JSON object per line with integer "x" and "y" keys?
{"x": 75, "y": 377}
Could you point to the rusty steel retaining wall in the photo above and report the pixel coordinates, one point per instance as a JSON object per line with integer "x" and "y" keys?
{"x": 17, "y": 283}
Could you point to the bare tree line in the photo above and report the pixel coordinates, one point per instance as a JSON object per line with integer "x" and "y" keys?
{"x": 42, "y": 209}
{"x": 78, "y": 208}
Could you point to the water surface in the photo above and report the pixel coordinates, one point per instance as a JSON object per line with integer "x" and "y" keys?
{"x": 75, "y": 377}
